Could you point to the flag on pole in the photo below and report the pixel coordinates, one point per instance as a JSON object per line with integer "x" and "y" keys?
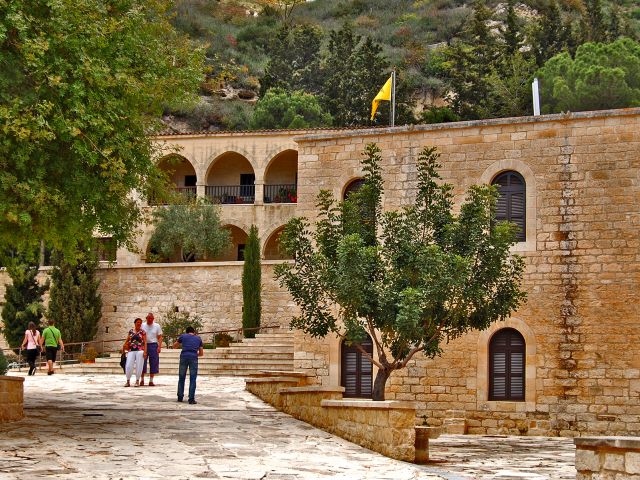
{"x": 383, "y": 94}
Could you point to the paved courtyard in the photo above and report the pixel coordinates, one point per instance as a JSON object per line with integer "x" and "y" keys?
{"x": 90, "y": 427}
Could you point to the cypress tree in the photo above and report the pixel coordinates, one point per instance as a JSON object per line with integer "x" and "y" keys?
{"x": 23, "y": 299}
{"x": 75, "y": 303}
{"x": 251, "y": 283}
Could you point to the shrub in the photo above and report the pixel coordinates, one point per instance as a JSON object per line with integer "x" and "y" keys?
{"x": 223, "y": 340}
{"x": 4, "y": 364}
{"x": 175, "y": 323}
{"x": 89, "y": 355}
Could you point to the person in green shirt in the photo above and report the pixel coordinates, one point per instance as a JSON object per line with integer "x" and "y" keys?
{"x": 51, "y": 340}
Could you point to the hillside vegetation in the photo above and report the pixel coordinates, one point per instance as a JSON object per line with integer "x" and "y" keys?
{"x": 484, "y": 50}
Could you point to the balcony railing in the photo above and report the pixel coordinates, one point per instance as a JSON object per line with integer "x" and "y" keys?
{"x": 188, "y": 192}
{"x": 227, "y": 194}
{"x": 283, "y": 193}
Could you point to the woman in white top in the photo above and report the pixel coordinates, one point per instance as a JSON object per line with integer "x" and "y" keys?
{"x": 31, "y": 343}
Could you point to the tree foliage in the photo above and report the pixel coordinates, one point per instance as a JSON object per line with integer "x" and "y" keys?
{"x": 23, "y": 301}
{"x": 74, "y": 301}
{"x": 282, "y": 109}
{"x": 600, "y": 76}
{"x": 191, "y": 230}
{"x": 81, "y": 84}
{"x": 251, "y": 284}
{"x": 174, "y": 323}
{"x": 413, "y": 278}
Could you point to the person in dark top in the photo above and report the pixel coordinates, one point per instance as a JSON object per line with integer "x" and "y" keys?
{"x": 192, "y": 348}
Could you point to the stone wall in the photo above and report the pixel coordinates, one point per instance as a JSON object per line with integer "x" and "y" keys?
{"x": 11, "y": 398}
{"x": 607, "y": 458}
{"x": 582, "y": 266}
{"x": 385, "y": 427}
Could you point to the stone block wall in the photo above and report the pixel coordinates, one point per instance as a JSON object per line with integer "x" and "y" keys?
{"x": 582, "y": 265}
{"x": 607, "y": 458}
{"x": 385, "y": 427}
{"x": 11, "y": 398}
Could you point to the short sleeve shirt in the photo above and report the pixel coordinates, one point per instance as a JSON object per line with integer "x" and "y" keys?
{"x": 153, "y": 331}
{"x": 136, "y": 340}
{"x": 51, "y": 336}
{"x": 190, "y": 345}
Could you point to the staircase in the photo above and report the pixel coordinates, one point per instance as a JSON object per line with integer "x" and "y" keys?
{"x": 267, "y": 352}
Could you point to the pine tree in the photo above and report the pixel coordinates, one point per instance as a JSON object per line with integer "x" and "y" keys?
{"x": 75, "y": 303}
{"x": 23, "y": 301}
{"x": 251, "y": 284}
{"x": 512, "y": 30}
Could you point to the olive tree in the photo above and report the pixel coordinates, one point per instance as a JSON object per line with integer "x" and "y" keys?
{"x": 412, "y": 279}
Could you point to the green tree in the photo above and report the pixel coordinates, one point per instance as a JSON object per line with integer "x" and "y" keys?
{"x": 74, "y": 301}
{"x": 251, "y": 284}
{"x": 191, "y": 230}
{"x": 354, "y": 69}
{"x": 413, "y": 278}
{"x": 549, "y": 33}
{"x": 601, "y": 76}
{"x": 23, "y": 301}
{"x": 282, "y": 109}
{"x": 294, "y": 60}
{"x": 81, "y": 84}
{"x": 174, "y": 323}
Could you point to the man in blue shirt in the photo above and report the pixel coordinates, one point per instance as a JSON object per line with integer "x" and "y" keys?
{"x": 192, "y": 348}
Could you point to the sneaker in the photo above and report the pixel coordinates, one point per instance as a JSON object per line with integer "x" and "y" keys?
{"x": 49, "y": 373}
{"x": 192, "y": 402}
{"x": 151, "y": 384}
{"x": 179, "y": 399}
{"x": 137, "y": 383}
{"x": 127, "y": 384}
{"x": 141, "y": 383}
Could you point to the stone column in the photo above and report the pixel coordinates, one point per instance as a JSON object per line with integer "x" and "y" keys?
{"x": 259, "y": 194}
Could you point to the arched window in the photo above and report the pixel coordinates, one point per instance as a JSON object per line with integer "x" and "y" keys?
{"x": 511, "y": 205}
{"x": 506, "y": 365}
{"x": 353, "y": 186}
{"x": 357, "y": 370}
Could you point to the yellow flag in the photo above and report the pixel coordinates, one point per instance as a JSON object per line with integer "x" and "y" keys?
{"x": 383, "y": 94}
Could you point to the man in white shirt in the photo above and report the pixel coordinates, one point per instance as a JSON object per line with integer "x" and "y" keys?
{"x": 154, "y": 345}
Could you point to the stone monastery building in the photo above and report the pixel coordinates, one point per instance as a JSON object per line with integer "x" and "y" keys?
{"x": 566, "y": 363}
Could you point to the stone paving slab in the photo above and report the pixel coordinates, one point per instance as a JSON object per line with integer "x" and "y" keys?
{"x": 90, "y": 427}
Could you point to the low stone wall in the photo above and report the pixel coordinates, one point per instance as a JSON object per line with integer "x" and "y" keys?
{"x": 385, "y": 427}
{"x": 607, "y": 458}
{"x": 11, "y": 399}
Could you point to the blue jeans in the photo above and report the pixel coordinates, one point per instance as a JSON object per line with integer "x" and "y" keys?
{"x": 192, "y": 364}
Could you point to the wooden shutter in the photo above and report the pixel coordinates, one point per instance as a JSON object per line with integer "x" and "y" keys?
{"x": 507, "y": 351}
{"x": 356, "y": 370}
{"x": 511, "y": 205}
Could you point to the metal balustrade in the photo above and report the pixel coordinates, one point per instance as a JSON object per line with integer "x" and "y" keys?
{"x": 188, "y": 192}
{"x": 227, "y": 194}
{"x": 282, "y": 193}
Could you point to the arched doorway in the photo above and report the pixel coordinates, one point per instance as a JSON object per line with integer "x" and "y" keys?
{"x": 180, "y": 173}
{"x": 356, "y": 370}
{"x": 272, "y": 246}
{"x": 231, "y": 179}
{"x": 281, "y": 178}
{"x": 236, "y": 251}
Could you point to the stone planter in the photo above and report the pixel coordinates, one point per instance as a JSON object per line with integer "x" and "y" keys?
{"x": 423, "y": 434}
{"x": 11, "y": 399}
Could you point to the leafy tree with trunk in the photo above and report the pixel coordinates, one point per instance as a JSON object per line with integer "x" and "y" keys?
{"x": 412, "y": 279}
{"x": 74, "y": 301}
{"x": 282, "y": 109}
{"x": 23, "y": 301}
{"x": 190, "y": 231}
{"x": 601, "y": 76}
{"x": 251, "y": 284}
{"x": 82, "y": 84}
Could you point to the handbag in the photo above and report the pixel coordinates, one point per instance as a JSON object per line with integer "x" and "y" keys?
{"x": 123, "y": 361}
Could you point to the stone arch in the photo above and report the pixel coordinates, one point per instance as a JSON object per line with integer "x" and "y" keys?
{"x": 482, "y": 391}
{"x": 270, "y": 249}
{"x": 495, "y": 169}
{"x": 236, "y": 250}
{"x": 181, "y": 172}
{"x": 281, "y": 175}
{"x": 230, "y": 178}
{"x": 349, "y": 185}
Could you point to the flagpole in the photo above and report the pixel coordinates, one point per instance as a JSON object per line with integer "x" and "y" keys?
{"x": 393, "y": 97}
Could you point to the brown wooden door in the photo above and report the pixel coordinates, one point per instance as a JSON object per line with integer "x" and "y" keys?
{"x": 356, "y": 370}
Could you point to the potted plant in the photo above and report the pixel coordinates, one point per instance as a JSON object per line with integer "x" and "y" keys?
{"x": 89, "y": 355}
